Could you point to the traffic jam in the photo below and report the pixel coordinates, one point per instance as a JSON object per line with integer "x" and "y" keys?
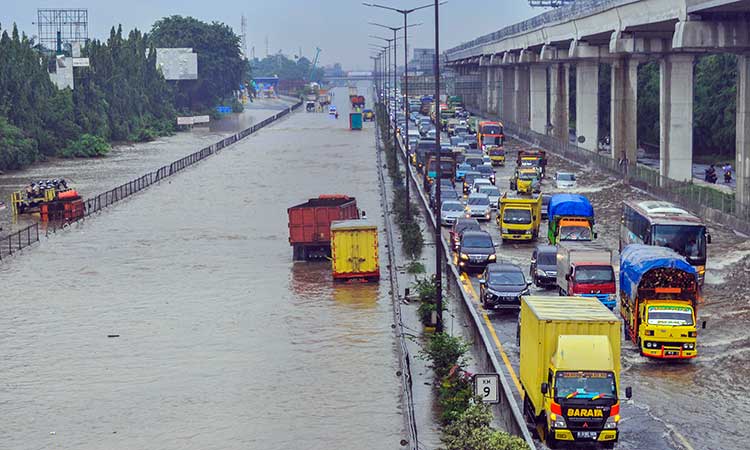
{"x": 561, "y": 302}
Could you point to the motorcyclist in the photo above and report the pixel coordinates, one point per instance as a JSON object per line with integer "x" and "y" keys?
{"x": 727, "y": 173}
{"x": 710, "y": 175}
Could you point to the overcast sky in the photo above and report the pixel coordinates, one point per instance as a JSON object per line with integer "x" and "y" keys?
{"x": 339, "y": 28}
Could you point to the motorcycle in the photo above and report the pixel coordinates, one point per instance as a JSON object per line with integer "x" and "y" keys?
{"x": 710, "y": 176}
{"x": 727, "y": 176}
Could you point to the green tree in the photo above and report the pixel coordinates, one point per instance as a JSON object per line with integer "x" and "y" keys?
{"x": 648, "y": 103}
{"x": 472, "y": 431}
{"x": 16, "y": 150}
{"x": 714, "y": 114}
{"x": 221, "y": 67}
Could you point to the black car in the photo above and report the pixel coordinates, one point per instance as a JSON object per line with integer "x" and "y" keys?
{"x": 459, "y": 227}
{"x": 475, "y": 251}
{"x": 502, "y": 286}
{"x": 543, "y": 270}
{"x": 487, "y": 172}
{"x": 545, "y": 205}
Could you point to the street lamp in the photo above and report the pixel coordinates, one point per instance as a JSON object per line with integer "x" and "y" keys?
{"x": 405, "y": 12}
{"x": 438, "y": 175}
{"x": 387, "y": 66}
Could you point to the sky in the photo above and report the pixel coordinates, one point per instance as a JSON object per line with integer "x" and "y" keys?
{"x": 339, "y": 27}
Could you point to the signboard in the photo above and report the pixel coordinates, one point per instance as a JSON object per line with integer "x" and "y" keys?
{"x": 201, "y": 119}
{"x": 487, "y": 387}
{"x": 177, "y": 63}
{"x": 80, "y": 62}
{"x": 184, "y": 121}
{"x": 224, "y": 109}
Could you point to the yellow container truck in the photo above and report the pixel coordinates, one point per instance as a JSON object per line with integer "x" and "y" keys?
{"x": 519, "y": 217}
{"x": 354, "y": 250}
{"x": 570, "y": 369}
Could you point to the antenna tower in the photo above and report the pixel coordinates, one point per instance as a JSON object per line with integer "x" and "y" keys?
{"x": 243, "y": 35}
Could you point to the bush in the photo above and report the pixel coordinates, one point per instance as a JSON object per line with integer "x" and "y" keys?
{"x": 472, "y": 430}
{"x": 237, "y": 106}
{"x": 455, "y": 394}
{"x": 415, "y": 267}
{"x": 86, "y": 146}
{"x": 446, "y": 353}
{"x": 16, "y": 150}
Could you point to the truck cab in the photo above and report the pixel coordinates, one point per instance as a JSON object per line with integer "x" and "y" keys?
{"x": 526, "y": 181}
{"x": 519, "y": 217}
{"x": 497, "y": 155}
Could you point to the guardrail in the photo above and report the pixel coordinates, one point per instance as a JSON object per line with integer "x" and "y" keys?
{"x": 507, "y": 411}
{"x": 705, "y": 201}
{"x": 105, "y": 199}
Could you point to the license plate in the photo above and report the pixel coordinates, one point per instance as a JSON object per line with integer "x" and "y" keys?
{"x": 586, "y": 434}
{"x": 672, "y": 352}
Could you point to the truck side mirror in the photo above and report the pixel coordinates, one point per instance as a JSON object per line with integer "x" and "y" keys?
{"x": 482, "y": 281}
{"x": 628, "y": 392}
{"x": 703, "y": 325}
{"x": 708, "y": 238}
{"x": 596, "y": 235}
{"x": 545, "y": 388}
{"x": 567, "y": 276}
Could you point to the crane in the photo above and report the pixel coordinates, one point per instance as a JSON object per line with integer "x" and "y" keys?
{"x": 315, "y": 63}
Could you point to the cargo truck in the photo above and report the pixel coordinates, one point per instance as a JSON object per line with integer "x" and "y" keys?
{"x": 310, "y": 224}
{"x": 570, "y": 369}
{"x": 519, "y": 217}
{"x": 659, "y": 301}
{"x": 535, "y": 158}
{"x": 585, "y": 269}
{"x": 526, "y": 180}
{"x": 354, "y": 250}
{"x": 497, "y": 155}
{"x": 571, "y": 218}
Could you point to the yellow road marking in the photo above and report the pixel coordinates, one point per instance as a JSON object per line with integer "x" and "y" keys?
{"x": 503, "y": 355}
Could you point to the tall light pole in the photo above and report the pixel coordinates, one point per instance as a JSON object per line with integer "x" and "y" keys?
{"x": 387, "y": 54}
{"x": 439, "y": 176}
{"x": 405, "y": 89}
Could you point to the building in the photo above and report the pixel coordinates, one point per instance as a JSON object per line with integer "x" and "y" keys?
{"x": 423, "y": 60}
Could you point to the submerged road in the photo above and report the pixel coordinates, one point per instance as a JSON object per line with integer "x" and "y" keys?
{"x": 223, "y": 342}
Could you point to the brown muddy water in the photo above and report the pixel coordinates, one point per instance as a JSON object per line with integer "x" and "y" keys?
{"x": 223, "y": 342}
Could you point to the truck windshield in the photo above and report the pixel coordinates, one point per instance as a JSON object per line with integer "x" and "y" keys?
{"x": 670, "y": 315}
{"x": 575, "y": 233}
{"x": 687, "y": 240}
{"x": 517, "y": 216}
{"x": 527, "y": 176}
{"x": 595, "y": 274}
{"x": 496, "y": 151}
{"x": 590, "y": 385}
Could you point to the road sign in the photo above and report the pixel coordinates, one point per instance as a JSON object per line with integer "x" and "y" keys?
{"x": 487, "y": 387}
{"x": 224, "y": 109}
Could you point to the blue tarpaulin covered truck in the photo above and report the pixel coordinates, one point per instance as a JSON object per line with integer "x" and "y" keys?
{"x": 571, "y": 218}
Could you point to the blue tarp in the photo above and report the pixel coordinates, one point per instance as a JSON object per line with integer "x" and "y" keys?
{"x": 637, "y": 259}
{"x": 570, "y": 205}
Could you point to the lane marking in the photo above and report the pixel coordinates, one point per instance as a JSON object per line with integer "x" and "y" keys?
{"x": 501, "y": 350}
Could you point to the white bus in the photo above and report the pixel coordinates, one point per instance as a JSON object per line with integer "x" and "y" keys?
{"x": 664, "y": 224}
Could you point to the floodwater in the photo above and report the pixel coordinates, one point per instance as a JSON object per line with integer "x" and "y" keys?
{"x": 222, "y": 341}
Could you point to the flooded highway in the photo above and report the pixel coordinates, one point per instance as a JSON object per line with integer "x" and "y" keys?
{"x": 220, "y": 340}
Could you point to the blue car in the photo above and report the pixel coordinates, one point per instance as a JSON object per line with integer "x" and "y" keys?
{"x": 461, "y": 170}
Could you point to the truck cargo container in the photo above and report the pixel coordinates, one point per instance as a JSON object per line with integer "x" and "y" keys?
{"x": 519, "y": 217}
{"x": 310, "y": 224}
{"x": 585, "y": 269}
{"x": 538, "y": 158}
{"x": 659, "y": 301}
{"x": 354, "y": 250}
{"x": 571, "y": 218}
{"x": 570, "y": 369}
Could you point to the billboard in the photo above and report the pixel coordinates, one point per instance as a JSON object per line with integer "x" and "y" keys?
{"x": 177, "y": 63}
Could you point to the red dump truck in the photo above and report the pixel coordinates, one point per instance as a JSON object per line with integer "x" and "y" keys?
{"x": 358, "y": 101}
{"x": 310, "y": 224}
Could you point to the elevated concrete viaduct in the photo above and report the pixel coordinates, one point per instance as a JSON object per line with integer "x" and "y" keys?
{"x": 523, "y": 72}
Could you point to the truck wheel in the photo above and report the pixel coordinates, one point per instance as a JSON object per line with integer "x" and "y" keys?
{"x": 549, "y": 440}
{"x": 640, "y": 347}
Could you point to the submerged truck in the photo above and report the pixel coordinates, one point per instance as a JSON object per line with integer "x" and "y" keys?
{"x": 310, "y": 224}
{"x": 519, "y": 217}
{"x": 585, "y": 269}
{"x": 571, "y": 218}
{"x": 570, "y": 369}
{"x": 659, "y": 301}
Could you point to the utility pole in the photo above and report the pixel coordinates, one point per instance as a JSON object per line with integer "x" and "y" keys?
{"x": 439, "y": 175}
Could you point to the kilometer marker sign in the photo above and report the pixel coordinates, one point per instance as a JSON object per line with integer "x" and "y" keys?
{"x": 487, "y": 387}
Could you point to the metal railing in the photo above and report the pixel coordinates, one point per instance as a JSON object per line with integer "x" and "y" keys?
{"x": 706, "y": 201}
{"x": 18, "y": 240}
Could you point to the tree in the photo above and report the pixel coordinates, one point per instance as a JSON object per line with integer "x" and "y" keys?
{"x": 221, "y": 67}
{"x": 472, "y": 431}
{"x": 285, "y": 68}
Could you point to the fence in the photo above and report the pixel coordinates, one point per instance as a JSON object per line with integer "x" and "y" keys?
{"x": 24, "y": 238}
{"x": 705, "y": 201}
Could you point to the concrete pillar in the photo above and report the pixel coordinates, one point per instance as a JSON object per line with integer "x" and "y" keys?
{"x": 538, "y": 97}
{"x": 522, "y": 96}
{"x": 484, "y": 83}
{"x": 587, "y": 104}
{"x": 509, "y": 98}
{"x": 676, "y": 116}
{"x": 491, "y": 92}
{"x": 559, "y": 100}
{"x": 742, "y": 164}
{"x": 624, "y": 109}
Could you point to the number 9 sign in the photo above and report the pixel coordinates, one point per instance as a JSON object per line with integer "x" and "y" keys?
{"x": 487, "y": 387}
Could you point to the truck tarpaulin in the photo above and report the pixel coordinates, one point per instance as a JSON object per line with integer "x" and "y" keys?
{"x": 637, "y": 259}
{"x": 570, "y": 205}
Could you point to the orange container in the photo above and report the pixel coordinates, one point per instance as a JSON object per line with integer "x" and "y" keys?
{"x": 68, "y": 195}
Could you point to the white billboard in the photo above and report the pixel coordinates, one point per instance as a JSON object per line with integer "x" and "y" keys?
{"x": 177, "y": 63}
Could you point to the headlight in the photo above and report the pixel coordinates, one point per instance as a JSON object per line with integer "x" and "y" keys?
{"x": 611, "y": 297}
{"x": 541, "y": 273}
{"x": 557, "y": 421}
{"x": 464, "y": 256}
{"x": 492, "y": 257}
{"x": 505, "y": 231}
{"x": 688, "y": 346}
{"x": 611, "y": 423}
{"x": 701, "y": 270}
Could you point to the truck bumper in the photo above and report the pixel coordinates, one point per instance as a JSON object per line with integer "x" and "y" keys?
{"x": 663, "y": 350}
{"x": 601, "y": 436}
{"x": 517, "y": 237}
{"x": 604, "y": 298}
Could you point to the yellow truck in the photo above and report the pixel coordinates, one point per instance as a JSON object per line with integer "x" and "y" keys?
{"x": 570, "y": 369}
{"x": 526, "y": 181}
{"x": 519, "y": 217}
{"x": 497, "y": 155}
{"x": 354, "y": 250}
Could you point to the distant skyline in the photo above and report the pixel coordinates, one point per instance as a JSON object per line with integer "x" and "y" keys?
{"x": 340, "y": 29}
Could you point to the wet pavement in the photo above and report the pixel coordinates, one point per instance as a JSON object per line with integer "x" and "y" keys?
{"x": 222, "y": 341}
{"x": 689, "y": 405}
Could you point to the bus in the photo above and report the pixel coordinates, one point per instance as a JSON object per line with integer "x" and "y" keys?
{"x": 490, "y": 134}
{"x": 666, "y": 225}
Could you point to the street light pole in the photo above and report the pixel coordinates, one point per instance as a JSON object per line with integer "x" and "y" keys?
{"x": 439, "y": 175}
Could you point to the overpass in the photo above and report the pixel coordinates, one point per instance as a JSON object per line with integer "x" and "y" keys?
{"x": 352, "y": 76}
{"x": 522, "y": 72}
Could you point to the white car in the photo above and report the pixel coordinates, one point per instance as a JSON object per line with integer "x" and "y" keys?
{"x": 478, "y": 206}
{"x": 492, "y": 192}
{"x": 479, "y": 182}
{"x": 565, "y": 180}
{"x": 451, "y": 210}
